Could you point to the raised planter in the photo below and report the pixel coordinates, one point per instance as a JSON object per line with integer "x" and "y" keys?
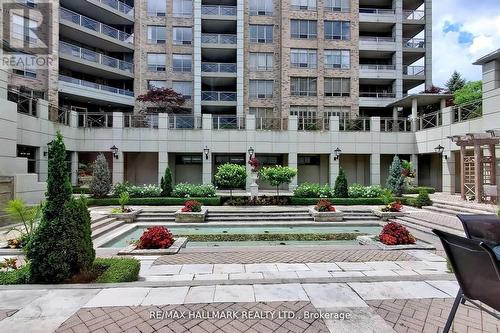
{"x": 127, "y": 217}
{"x": 191, "y": 217}
{"x": 337, "y": 216}
{"x": 370, "y": 240}
{"x": 133, "y": 250}
{"x": 387, "y": 215}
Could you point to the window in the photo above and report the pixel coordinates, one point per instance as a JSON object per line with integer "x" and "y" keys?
{"x": 339, "y": 111}
{"x": 157, "y": 7}
{"x": 183, "y": 8}
{"x": 304, "y": 4}
{"x": 29, "y": 73}
{"x": 338, "y": 30}
{"x": 308, "y": 160}
{"x": 183, "y": 87}
{"x": 338, "y": 59}
{"x": 261, "y": 61}
{"x": 303, "y": 58}
{"x": 183, "y": 35}
{"x": 182, "y": 62}
{"x": 24, "y": 29}
{"x": 261, "y": 7}
{"x": 303, "y": 86}
{"x": 157, "y": 34}
{"x": 188, "y": 159}
{"x": 261, "y": 33}
{"x": 262, "y": 112}
{"x": 338, "y": 5}
{"x": 157, "y": 84}
{"x": 303, "y": 29}
{"x": 261, "y": 88}
{"x": 156, "y": 62}
{"x": 339, "y": 87}
{"x": 30, "y": 154}
{"x": 304, "y": 112}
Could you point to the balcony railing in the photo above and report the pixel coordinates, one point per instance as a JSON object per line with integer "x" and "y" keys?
{"x": 414, "y": 70}
{"x": 468, "y": 111}
{"x": 120, "y": 6}
{"x": 218, "y": 10}
{"x": 98, "y": 58}
{"x": 218, "y": 39}
{"x": 377, "y": 94}
{"x": 140, "y": 121}
{"x": 218, "y": 96}
{"x": 313, "y": 124}
{"x": 271, "y": 124}
{"x": 414, "y": 43}
{"x": 184, "y": 122}
{"x": 377, "y": 39}
{"x": 413, "y": 14}
{"x": 63, "y": 116}
{"x": 216, "y": 67}
{"x": 378, "y": 11}
{"x": 378, "y": 67}
{"x": 94, "y": 85}
{"x": 228, "y": 122}
{"x": 395, "y": 125}
{"x": 95, "y": 120}
{"x": 429, "y": 120}
{"x": 354, "y": 125}
{"x": 86, "y": 22}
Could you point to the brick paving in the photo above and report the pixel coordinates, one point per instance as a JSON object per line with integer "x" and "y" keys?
{"x": 430, "y": 315}
{"x": 6, "y": 313}
{"x": 283, "y": 256}
{"x": 137, "y": 319}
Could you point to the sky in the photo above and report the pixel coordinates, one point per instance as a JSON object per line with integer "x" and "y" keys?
{"x": 463, "y": 31}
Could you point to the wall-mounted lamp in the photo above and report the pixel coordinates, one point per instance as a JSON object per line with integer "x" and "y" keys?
{"x": 251, "y": 151}
{"x": 46, "y": 150}
{"x": 206, "y": 151}
{"x": 440, "y": 149}
{"x": 114, "y": 150}
{"x": 336, "y": 154}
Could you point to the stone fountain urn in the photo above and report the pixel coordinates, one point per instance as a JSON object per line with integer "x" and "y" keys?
{"x": 254, "y": 188}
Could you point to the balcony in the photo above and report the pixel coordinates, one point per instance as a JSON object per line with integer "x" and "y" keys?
{"x": 354, "y": 125}
{"x": 414, "y": 43}
{"x": 377, "y": 15}
{"x": 369, "y": 71}
{"x": 414, "y": 70}
{"x": 213, "y": 10}
{"x": 97, "y": 64}
{"x": 184, "y": 122}
{"x": 376, "y": 99}
{"x": 94, "y": 33}
{"x": 140, "y": 121}
{"x": 228, "y": 122}
{"x": 395, "y": 125}
{"x": 109, "y": 11}
{"x": 218, "y": 96}
{"x": 216, "y": 69}
{"x": 95, "y": 120}
{"x": 219, "y": 40}
{"x": 377, "y": 43}
{"x": 414, "y": 15}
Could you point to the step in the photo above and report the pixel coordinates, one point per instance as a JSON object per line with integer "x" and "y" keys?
{"x": 425, "y": 229}
{"x": 107, "y": 228}
{"x": 101, "y": 223}
{"x": 156, "y": 215}
{"x": 428, "y": 224}
{"x": 447, "y": 211}
{"x": 460, "y": 210}
{"x": 465, "y": 205}
{"x": 154, "y": 219}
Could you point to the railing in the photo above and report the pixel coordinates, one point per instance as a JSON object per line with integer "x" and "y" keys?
{"x": 313, "y": 124}
{"x": 218, "y": 10}
{"x": 98, "y": 58}
{"x": 140, "y": 121}
{"x": 184, "y": 122}
{"x": 414, "y": 70}
{"x": 26, "y": 104}
{"x": 377, "y": 94}
{"x": 94, "y": 25}
{"x": 377, "y": 39}
{"x": 467, "y": 111}
{"x": 95, "y": 120}
{"x": 96, "y": 86}
{"x": 297, "y": 7}
{"x": 354, "y": 125}
{"x": 217, "y": 67}
{"x": 377, "y": 11}
{"x": 414, "y": 43}
{"x": 413, "y": 14}
{"x": 228, "y": 122}
{"x": 429, "y": 120}
{"x": 218, "y": 39}
{"x": 218, "y": 96}
{"x": 120, "y": 6}
{"x": 378, "y": 67}
{"x": 63, "y": 116}
{"x": 271, "y": 124}
{"x": 395, "y": 125}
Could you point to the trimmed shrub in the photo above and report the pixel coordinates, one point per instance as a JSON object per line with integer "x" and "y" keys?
{"x": 396, "y": 234}
{"x": 166, "y": 183}
{"x": 261, "y": 200}
{"x": 101, "y": 178}
{"x": 185, "y": 190}
{"x": 212, "y": 201}
{"x": 341, "y": 190}
{"x": 337, "y": 201}
{"x": 278, "y": 175}
{"x": 396, "y": 179}
{"x": 231, "y": 176}
{"x": 118, "y": 270}
{"x": 81, "y": 190}
{"x": 360, "y": 191}
{"x": 135, "y": 191}
{"x": 156, "y": 238}
{"x": 17, "y": 276}
{"x": 416, "y": 190}
{"x": 423, "y": 199}
{"x": 307, "y": 190}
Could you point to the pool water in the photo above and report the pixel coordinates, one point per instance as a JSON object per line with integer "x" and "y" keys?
{"x": 124, "y": 240}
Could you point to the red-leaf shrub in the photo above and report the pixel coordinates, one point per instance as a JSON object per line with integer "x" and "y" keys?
{"x": 156, "y": 238}
{"x": 396, "y": 234}
{"x": 324, "y": 206}
{"x": 191, "y": 206}
{"x": 394, "y": 207}
{"x": 254, "y": 163}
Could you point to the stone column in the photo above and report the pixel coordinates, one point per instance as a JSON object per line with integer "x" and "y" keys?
{"x": 414, "y": 163}
{"x": 197, "y": 57}
{"x": 375, "y": 169}
{"x": 334, "y": 168}
{"x": 119, "y": 167}
{"x": 74, "y": 168}
{"x": 414, "y": 114}
{"x": 162, "y": 163}
{"x": 292, "y": 163}
{"x": 449, "y": 172}
{"x": 334, "y": 139}
{"x": 462, "y": 171}
{"x": 398, "y": 55}
{"x": 207, "y": 162}
{"x": 478, "y": 174}
{"x": 428, "y": 44}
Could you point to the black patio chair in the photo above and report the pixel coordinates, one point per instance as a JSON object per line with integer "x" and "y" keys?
{"x": 477, "y": 271}
{"x": 482, "y": 227}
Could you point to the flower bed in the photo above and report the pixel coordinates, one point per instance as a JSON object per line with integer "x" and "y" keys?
{"x": 213, "y": 201}
{"x": 155, "y": 241}
{"x": 192, "y": 212}
{"x": 324, "y": 211}
{"x": 337, "y": 201}
{"x": 389, "y": 211}
{"x": 395, "y": 236}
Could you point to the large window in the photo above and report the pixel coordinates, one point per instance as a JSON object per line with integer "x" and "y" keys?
{"x": 303, "y": 58}
{"x": 156, "y": 62}
{"x": 183, "y": 87}
{"x": 262, "y": 112}
{"x": 157, "y": 84}
{"x": 261, "y": 88}
{"x": 338, "y": 59}
{"x": 157, "y": 34}
{"x": 303, "y": 86}
{"x": 30, "y": 154}
{"x": 182, "y": 35}
{"x": 157, "y": 7}
{"x": 261, "y": 33}
{"x": 303, "y": 29}
{"x": 183, "y": 8}
{"x": 339, "y": 111}
{"x": 23, "y": 28}
{"x": 338, "y": 30}
{"x": 338, "y": 5}
{"x": 261, "y": 61}
{"x": 337, "y": 87}
{"x": 304, "y": 4}
{"x": 304, "y": 111}
{"x": 182, "y": 62}
{"x": 261, "y": 7}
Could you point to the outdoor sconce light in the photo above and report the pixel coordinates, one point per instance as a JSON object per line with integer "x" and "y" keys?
{"x": 440, "y": 149}
{"x": 336, "y": 154}
{"x": 114, "y": 150}
{"x": 46, "y": 150}
{"x": 251, "y": 151}
{"x": 206, "y": 151}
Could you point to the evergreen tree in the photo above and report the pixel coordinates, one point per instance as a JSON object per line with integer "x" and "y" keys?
{"x": 456, "y": 82}
{"x": 396, "y": 178}
{"x": 341, "y": 189}
{"x": 101, "y": 178}
{"x": 166, "y": 183}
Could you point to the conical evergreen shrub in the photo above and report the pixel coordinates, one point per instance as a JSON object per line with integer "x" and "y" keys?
{"x": 101, "y": 178}
{"x": 341, "y": 189}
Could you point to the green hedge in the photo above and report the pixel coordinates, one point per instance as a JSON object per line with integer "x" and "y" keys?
{"x": 19, "y": 276}
{"x": 215, "y": 201}
{"x": 118, "y": 270}
{"x": 81, "y": 190}
{"x": 270, "y": 237}
{"x": 338, "y": 201}
{"x": 416, "y": 190}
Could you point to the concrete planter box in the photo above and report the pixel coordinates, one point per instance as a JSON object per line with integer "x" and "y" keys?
{"x": 387, "y": 215}
{"x": 132, "y": 250}
{"x": 370, "y": 240}
{"x": 337, "y": 216}
{"x": 191, "y": 217}
{"x": 127, "y": 217}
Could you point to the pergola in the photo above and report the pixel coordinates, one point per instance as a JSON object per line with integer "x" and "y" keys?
{"x": 478, "y": 172}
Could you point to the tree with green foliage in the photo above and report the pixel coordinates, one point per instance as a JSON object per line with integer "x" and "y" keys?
{"x": 423, "y": 199}
{"x": 396, "y": 179}
{"x": 231, "y": 176}
{"x": 166, "y": 183}
{"x": 471, "y": 91}
{"x": 101, "y": 178}
{"x": 456, "y": 82}
{"x": 341, "y": 189}
{"x": 278, "y": 175}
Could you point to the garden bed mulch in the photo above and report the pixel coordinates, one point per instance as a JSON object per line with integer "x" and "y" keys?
{"x": 369, "y": 240}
